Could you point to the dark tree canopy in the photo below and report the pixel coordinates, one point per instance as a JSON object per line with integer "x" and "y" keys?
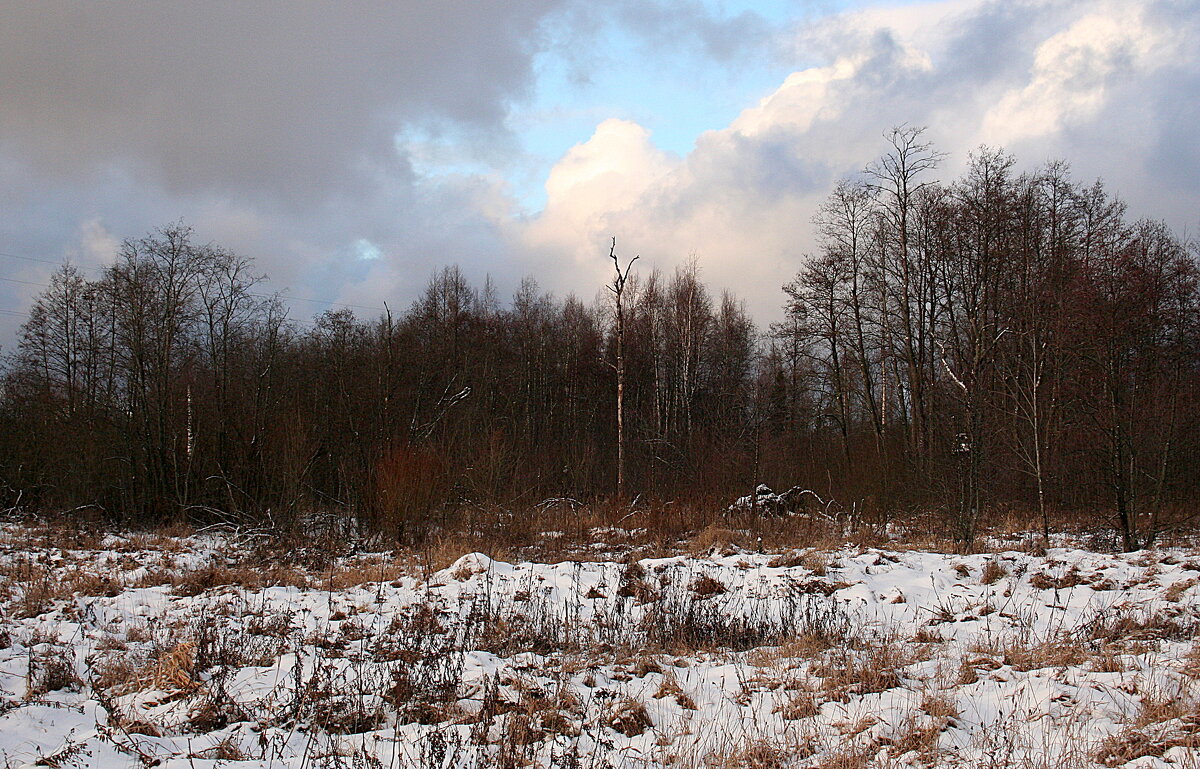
{"x": 1001, "y": 343}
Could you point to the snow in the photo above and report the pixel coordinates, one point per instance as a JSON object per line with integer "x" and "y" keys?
{"x": 899, "y": 657}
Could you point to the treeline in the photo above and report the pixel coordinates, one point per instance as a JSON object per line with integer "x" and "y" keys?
{"x": 1002, "y": 344}
{"x": 171, "y": 385}
{"x": 1004, "y": 340}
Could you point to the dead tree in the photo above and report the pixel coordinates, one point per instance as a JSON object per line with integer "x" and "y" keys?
{"x": 617, "y": 287}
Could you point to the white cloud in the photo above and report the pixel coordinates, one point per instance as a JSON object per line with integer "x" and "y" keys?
{"x": 97, "y": 246}
{"x": 594, "y": 185}
{"x": 1041, "y": 76}
{"x": 1073, "y": 70}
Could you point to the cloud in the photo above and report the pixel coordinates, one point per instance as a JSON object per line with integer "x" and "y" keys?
{"x": 1049, "y": 79}
{"x": 595, "y": 182}
{"x": 270, "y": 127}
{"x": 1073, "y": 72}
{"x": 293, "y": 132}
{"x": 290, "y": 99}
{"x": 308, "y": 135}
{"x": 97, "y": 246}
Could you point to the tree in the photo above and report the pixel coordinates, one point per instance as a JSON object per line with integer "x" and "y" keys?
{"x": 896, "y": 181}
{"x": 617, "y": 287}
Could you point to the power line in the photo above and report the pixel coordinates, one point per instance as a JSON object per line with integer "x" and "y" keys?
{"x": 24, "y": 282}
{"x": 29, "y": 258}
{"x": 319, "y": 301}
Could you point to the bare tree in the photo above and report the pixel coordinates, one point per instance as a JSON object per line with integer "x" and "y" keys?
{"x": 617, "y": 287}
{"x": 896, "y": 180}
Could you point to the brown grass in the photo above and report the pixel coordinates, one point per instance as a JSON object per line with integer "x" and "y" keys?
{"x": 801, "y": 704}
{"x": 714, "y": 538}
{"x": 51, "y": 670}
{"x": 1176, "y": 590}
{"x": 704, "y": 586}
{"x": 845, "y": 758}
{"x": 174, "y": 670}
{"x": 1045, "y": 581}
{"x": 939, "y": 706}
{"x": 670, "y": 688}
{"x": 759, "y": 754}
{"x": 915, "y": 735}
{"x": 874, "y": 668}
{"x": 1133, "y": 743}
{"x": 1056, "y": 654}
{"x": 993, "y": 572}
{"x": 627, "y": 716}
{"x": 1156, "y": 707}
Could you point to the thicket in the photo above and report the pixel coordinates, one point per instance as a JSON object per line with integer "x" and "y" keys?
{"x": 1004, "y": 343}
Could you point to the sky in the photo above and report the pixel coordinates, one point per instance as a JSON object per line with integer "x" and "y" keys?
{"x": 352, "y": 149}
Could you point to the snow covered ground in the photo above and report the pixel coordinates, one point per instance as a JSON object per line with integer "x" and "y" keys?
{"x": 197, "y": 652}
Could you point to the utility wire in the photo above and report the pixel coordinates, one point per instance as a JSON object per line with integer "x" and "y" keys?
{"x": 24, "y": 282}
{"x": 317, "y": 301}
{"x": 29, "y": 258}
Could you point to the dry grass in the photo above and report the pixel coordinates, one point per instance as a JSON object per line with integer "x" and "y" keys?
{"x": 817, "y": 561}
{"x": 1176, "y": 590}
{"x": 915, "y": 734}
{"x": 1046, "y": 581}
{"x": 845, "y": 758}
{"x": 1191, "y": 661}
{"x": 759, "y": 754}
{"x": 993, "y": 572}
{"x": 214, "y": 576}
{"x": 1050, "y": 654}
{"x": 704, "y": 585}
{"x": 670, "y": 688}
{"x": 940, "y": 706}
{"x": 802, "y": 704}
{"x": 51, "y": 669}
{"x": 1133, "y": 743}
{"x": 627, "y": 716}
{"x": 875, "y": 667}
{"x": 715, "y": 539}
{"x": 1107, "y": 659}
{"x": 682, "y": 613}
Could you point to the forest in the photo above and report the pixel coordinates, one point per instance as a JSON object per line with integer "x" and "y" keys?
{"x": 1010, "y": 343}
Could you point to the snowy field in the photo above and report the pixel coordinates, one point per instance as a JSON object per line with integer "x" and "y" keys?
{"x": 139, "y": 651}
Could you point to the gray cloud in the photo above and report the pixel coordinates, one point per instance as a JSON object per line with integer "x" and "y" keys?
{"x": 278, "y": 128}
{"x": 272, "y": 128}
{"x": 286, "y": 99}
{"x": 269, "y": 126}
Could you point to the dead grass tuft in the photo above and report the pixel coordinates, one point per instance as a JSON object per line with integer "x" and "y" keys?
{"x": 845, "y": 758}
{"x": 1154, "y": 740}
{"x": 51, "y": 670}
{"x": 915, "y": 735}
{"x": 874, "y": 668}
{"x": 633, "y": 584}
{"x": 670, "y": 688}
{"x": 802, "y": 704}
{"x": 939, "y": 706}
{"x": 628, "y": 717}
{"x": 1176, "y": 590}
{"x": 759, "y": 754}
{"x": 993, "y": 572}
{"x": 1156, "y": 707}
{"x": 705, "y": 585}
{"x": 1045, "y": 581}
{"x": 714, "y": 539}
{"x": 1055, "y": 654}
